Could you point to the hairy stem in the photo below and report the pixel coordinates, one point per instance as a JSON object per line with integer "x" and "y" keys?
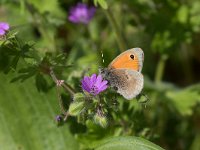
{"x": 66, "y": 86}
{"x": 60, "y": 99}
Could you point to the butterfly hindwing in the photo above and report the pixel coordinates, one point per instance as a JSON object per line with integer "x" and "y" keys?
{"x": 126, "y": 82}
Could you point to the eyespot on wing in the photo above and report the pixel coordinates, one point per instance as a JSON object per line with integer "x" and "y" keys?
{"x": 130, "y": 59}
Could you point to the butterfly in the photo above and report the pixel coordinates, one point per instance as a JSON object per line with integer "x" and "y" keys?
{"x": 124, "y": 73}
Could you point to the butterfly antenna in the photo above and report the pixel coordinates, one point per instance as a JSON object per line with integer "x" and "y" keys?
{"x": 102, "y": 57}
{"x": 101, "y": 66}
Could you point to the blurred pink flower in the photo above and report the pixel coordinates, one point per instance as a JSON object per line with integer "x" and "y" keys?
{"x": 81, "y": 13}
{"x": 3, "y": 28}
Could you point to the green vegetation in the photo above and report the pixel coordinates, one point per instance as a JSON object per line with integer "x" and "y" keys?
{"x": 49, "y": 43}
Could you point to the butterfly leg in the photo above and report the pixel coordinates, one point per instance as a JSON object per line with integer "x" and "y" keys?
{"x": 142, "y": 96}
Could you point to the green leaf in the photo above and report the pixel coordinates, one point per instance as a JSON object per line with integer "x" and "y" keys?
{"x": 162, "y": 41}
{"x": 184, "y": 100}
{"x": 41, "y": 83}
{"x": 195, "y": 144}
{"x": 53, "y": 6}
{"x": 27, "y": 118}
{"x": 102, "y": 3}
{"x": 76, "y": 108}
{"x": 127, "y": 143}
{"x": 95, "y": 3}
{"x": 182, "y": 14}
{"x": 14, "y": 62}
{"x": 93, "y": 136}
{"x": 11, "y": 35}
{"x": 194, "y": 19}
{"x": 25, "y": 73}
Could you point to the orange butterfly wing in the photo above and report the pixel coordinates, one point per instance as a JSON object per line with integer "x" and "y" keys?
{"x": 130, "y": 59}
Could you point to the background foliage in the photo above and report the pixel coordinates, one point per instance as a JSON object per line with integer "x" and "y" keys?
{"x": 168, "y": 31}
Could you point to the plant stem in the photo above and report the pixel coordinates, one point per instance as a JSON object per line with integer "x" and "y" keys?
{"x": 160, "y": 68}
{"x": 116, "y": 28}
{"x": 60, "y": 100}
{"x": 186, "y": 62}
{"x": 66, "y": 86}
{"x": 66, "y": 114}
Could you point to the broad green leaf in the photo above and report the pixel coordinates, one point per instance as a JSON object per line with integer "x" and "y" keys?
{"x": 27, "y": 118}
{"x": 184, "y": 100}
{"x": 127, "y": 143}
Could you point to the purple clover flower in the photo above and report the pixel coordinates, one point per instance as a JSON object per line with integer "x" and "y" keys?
{"x": 81, "y": 13}
{"x": 94, "y": 84}
{"x": 3, "y": 28}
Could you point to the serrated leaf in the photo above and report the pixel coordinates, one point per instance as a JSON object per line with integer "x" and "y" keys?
{"x": 11, "y": 34}
{"x": 27, "y": 69}
{"x": 14, "y": 62}
{"x": 22, "y": 77}
{"x": 127, "y": 143}
{"x": 41, "y": 83}
{"x": 25, "y": 74}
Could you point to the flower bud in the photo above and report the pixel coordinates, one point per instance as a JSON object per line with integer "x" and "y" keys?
{"x": 101, "y": 120}
{"x": 59, "y": 120}
{"x": 76, "y": 108}
{"x": 79, "y": 97}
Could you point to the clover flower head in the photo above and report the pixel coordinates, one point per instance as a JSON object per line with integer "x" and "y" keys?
{"x": 3, "y": 28}
{"x": 81, "y": 13}
{"x": 94, "y": 84}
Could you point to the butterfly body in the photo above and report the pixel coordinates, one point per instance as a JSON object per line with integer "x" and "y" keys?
{"x": 124, "y": 73}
